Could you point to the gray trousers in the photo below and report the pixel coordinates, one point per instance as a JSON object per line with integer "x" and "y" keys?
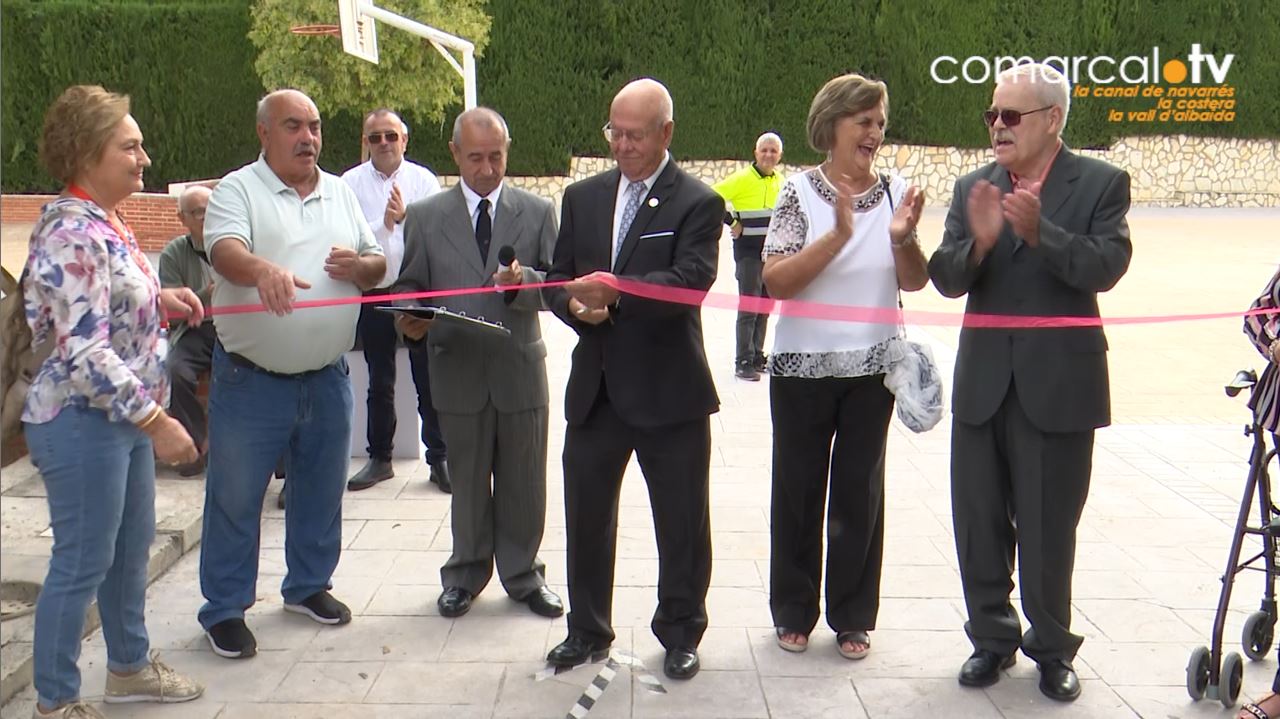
{"x": 498, "y": 464}
{"x": 751, "y": 326}
{"x": 1014, "y": 486}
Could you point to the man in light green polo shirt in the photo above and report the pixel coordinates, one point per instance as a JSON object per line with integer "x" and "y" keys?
{"x": 280, "y": 230}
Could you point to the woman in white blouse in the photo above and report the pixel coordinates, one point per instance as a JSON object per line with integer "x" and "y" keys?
{"x": 841, "y": 234}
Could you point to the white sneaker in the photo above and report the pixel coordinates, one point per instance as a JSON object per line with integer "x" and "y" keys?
{"x": 155, "y": 683}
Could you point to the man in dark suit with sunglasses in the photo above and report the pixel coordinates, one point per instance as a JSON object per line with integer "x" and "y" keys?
{"x": 640, "y": 382}
{"x": 386, "y": 184}
{"x": 1039, "y": 232}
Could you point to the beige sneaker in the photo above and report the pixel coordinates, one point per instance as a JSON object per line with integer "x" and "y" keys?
{"x": 74, "y": 710}
{"x": 155, "y": 683}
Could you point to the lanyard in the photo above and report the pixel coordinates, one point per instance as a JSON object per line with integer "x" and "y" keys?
{"x": 126, "y": 236}
{"x": 122, "y": 230}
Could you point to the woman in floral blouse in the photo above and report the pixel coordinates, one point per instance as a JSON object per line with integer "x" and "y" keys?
{"x": 93, "y": 418}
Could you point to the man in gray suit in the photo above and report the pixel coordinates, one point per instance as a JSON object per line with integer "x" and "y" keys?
{"x": 490, "y": 391}
{"x": 1039, "y": 232}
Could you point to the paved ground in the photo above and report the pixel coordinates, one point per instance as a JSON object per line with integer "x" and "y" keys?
{"x": 1166, "y": 485}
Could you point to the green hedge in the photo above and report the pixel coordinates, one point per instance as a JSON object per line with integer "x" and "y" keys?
{"x": 187, "y": 66}
{"x": 735, "y": 69}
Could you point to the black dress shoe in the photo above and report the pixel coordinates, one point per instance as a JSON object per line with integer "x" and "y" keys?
{"x": 982, "y": 668}
{"x": 440, "y": 477}
{"x": 1058, "y": 681}
{"x": 544, "y": 602}
{"x": 574, "y": 651}
{"x": 681, "y": 663}
{"x": 454, "y": 602}
{"x": 377, "y": 470}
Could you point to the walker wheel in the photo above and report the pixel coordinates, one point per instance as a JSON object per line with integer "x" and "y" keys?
{"x": 1259, "y": 630}
{"x": 1198, "y": 673}
{"x": 1229, "y": 680}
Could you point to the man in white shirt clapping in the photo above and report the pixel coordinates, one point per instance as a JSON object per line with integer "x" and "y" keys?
{"x": 386, "y": 184}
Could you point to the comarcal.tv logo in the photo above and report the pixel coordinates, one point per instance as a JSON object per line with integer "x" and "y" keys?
{"x": 1197, "y": 67}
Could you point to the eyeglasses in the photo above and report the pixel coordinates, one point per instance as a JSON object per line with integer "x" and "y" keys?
{"x": 613, "y": 135}
{"x": 1010, "y": 118}
{"x": 196, "y": 214}
{"x": 376, "y": 138}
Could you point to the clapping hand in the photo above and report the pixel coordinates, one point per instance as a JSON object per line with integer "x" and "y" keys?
{"x": 1022, "y": 210}
{"x": 986, "y": 217}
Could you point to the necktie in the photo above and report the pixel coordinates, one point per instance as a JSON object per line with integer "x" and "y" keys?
{"x": 484, "y": 230}
{"x": 635, "y": 193}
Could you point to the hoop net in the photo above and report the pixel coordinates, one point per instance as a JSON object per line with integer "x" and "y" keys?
{"x": 311, "y": 30}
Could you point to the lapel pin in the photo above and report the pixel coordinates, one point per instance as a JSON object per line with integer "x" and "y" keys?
{"x": 653, "y": 202}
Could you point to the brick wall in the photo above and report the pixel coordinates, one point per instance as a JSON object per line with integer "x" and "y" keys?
{"x": 153, "y": 217}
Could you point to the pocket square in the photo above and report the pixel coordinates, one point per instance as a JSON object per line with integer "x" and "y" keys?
{"x": 655, "y": 235}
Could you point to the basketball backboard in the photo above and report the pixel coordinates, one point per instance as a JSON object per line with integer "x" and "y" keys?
{"x": 359, "y": 33}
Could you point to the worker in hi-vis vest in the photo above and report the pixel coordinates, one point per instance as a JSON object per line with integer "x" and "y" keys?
{"x": 749, "y": 196}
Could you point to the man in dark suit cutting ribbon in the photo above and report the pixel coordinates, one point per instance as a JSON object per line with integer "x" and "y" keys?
{"x": 640, "y": 381}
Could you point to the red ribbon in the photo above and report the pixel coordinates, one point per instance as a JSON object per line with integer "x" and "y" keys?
{"x": 790, "y": 308}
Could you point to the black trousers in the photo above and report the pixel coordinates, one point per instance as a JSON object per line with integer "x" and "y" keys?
{"x": 829, "y": 427}
{"x": 187, "y": 358}
{"x": 751, "y": 326}
{"x": 379, "y": 340}
{"x": 1015, "y": 486}
{"x": 675, "y": 461}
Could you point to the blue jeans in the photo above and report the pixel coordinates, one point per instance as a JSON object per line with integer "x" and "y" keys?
{"x": 100, "y": 476}
{"x": 254, "y": 419}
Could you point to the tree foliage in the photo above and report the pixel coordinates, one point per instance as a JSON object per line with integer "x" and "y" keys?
{"x": 410, "y": 76}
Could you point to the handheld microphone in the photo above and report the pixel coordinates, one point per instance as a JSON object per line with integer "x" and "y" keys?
{"x": 506, "y": 255}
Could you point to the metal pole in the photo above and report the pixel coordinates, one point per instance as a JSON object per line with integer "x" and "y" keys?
{"x": 437, "y": 38}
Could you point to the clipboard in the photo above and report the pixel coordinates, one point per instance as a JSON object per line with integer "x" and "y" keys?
{"x": 440, "y": 314}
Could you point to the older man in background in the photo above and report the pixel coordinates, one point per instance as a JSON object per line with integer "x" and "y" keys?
{"x": 386, "y": 184}
{"x": 750, "y": 195}
{"x": 184, "y": 263}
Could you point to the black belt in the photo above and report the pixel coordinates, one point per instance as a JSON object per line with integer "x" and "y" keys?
{"x": 250, "y": 364}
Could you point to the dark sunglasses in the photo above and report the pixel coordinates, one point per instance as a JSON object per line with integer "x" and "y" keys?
{"x": 1010, "y": 118}
{"x": 375, "y": 138}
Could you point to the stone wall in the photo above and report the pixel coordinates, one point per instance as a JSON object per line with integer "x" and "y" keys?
{"x": 1176, "y": 171}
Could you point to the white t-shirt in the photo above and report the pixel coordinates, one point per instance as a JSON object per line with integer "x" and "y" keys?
{"x": 373, "y": 189}
{"x": 252, "y": 205}
{"x": 862, "y": 274}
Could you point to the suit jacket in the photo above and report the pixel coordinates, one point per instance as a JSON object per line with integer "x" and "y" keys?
{"x": 440, "y": 253}
{"x": 650, "y": 354}
{"x": 1084, "y": 249}
{"x": 181, "y": 266}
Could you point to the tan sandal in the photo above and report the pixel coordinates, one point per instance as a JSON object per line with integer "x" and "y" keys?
{"x": 855, "y": 637}
{"x": 791, "y": 646}
{"x": 1254, "y": 710}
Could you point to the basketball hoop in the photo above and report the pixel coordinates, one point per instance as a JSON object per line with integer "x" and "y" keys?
{"x": 313, "y": 30}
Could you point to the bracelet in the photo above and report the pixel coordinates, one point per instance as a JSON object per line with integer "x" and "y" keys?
{"x": 912, "y": 239}
{"x": 151, "y": 418}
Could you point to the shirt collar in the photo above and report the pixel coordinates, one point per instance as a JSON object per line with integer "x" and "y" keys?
{"x": 373, "y": 170}
{"x": 1015, "y": 180}
{"x": 473, "y": 198}
{"x": 648, "y": 181}
{"x": 276, "y": 185}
